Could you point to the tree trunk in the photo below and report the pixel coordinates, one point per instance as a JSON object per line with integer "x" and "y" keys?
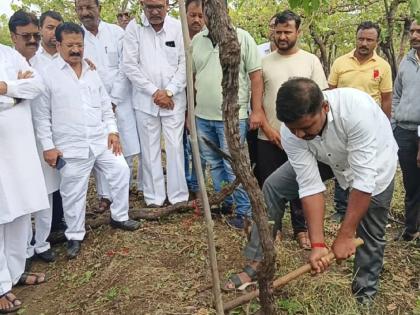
{"x": 223, "y": 33}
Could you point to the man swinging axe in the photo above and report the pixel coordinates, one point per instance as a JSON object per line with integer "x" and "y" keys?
{"x": 340, "y": 133}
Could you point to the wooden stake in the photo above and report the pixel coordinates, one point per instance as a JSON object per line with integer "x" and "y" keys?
{"x": 197, "y": 163}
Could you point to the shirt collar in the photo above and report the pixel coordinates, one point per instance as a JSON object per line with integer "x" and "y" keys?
{"x": 374, "y": 56}
{"x": 145, "y": 22}
{"x": 41, "y": 50}
{"x": 63, "y": 64}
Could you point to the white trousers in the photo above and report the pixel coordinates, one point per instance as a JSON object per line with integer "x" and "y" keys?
{"x": 102, "y": 186}
{"x": 13, "y": 240}
{"x": 150, "y": 130}
{"x": 74, "y": 185}
{"x": 130, "y": 162}
{"x": 43, "y": 219}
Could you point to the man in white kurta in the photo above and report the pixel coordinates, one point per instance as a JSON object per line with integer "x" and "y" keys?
{"x": 46, "y": 53}
{"x": 22, "y": 186}
{"x": 102, "y": 48}
{"x": 74, "y": 121}
{"x": 154, "y": 62}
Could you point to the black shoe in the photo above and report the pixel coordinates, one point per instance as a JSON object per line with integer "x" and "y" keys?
{"x": 408, "y": 237}
{"x": 73, "y": 248}
{"x": 128, "y": 225}
{"x": 47, "y": 256}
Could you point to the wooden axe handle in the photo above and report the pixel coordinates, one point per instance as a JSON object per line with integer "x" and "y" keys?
{"x": 279, "y": 282}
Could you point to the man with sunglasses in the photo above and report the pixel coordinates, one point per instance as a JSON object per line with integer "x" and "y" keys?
{"x": 101, "y": 46}
{"x": 24, "y": 31}
{"x": 123, "y": 18}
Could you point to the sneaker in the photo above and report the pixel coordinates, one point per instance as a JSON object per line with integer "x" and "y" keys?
{"x": 236, "y": 222}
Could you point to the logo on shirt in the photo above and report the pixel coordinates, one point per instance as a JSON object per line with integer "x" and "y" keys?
{"x": 375, "y": 74}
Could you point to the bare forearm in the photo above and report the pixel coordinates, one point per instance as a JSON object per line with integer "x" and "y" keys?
{"x": 387, "y": 103}
{"x": 257, "y": 88}
{"x": 357, "y": 207}
{"x": 313, "y": 207}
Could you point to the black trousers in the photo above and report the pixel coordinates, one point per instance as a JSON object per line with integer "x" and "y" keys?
{"x": 58, "y": 216}
{"x": 269, "y": 158}
{"x": 408, "y": 147}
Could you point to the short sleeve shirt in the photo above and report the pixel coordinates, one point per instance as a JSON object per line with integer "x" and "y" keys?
{"x": 373, "y": 76}
{"x": 208, "y": 74}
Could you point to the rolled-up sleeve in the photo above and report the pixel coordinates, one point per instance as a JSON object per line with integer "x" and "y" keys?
{"x": 304, "y": 164}
{"x": 362, "y": 149}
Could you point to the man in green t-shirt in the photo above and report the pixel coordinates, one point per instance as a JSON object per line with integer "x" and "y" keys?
{"x": 208, "y": 111}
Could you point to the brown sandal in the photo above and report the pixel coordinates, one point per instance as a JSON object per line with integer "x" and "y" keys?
{"x": 24, "y": 278}
{"x": 104, "y": 205}
{"x": 12, "y": 301}
{"x": 303, "y": 240}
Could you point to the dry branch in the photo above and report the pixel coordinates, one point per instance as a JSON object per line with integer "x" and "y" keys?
{"x": 224, "y": 34}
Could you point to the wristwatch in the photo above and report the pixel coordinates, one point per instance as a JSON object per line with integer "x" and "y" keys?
{"x": 169, "y": 93}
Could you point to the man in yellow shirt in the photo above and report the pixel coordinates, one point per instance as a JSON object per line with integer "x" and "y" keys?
{"x": 362, "y": 69}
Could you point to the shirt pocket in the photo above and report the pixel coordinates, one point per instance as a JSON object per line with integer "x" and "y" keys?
{"x": 92, "y": 96}
{"x": 113, "y": 58}
{"x": 171, "y": 54}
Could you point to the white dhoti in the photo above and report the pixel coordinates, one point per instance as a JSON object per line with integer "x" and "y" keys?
{"x": 13, "y": 238}
{"x": 74, "y": 185}
{"x": 150, "y": 130}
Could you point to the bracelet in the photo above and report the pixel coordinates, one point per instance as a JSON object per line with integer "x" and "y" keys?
{"x": 318, "y": 245}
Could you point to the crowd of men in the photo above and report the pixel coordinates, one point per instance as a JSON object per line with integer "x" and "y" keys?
{"x": 77, "y": 101}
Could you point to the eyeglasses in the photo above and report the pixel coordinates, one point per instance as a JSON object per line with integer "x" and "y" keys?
{"x": 27, "y": 36}
{"x": 125, "y": 14}
{"x": 150, "y": 8}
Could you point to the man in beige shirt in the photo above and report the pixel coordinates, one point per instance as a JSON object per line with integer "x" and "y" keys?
{"x": 280, "y": 65}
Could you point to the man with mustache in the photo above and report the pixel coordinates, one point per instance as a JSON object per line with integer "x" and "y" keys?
{"x": 26, "y": 37}
{"x": 406, "y": 124}
{"x": 75, "y": 123}
{"x": 123, "y": 18}
{"x": 330, "y": 134}
{"x": 288, "y": 60}
{"x": 43, "y": 219}
{"x": 154, "y": 62}
{"x": 362, "y": 69}
{"x": 102, "y": 48}
{"x": 22, "y": 186}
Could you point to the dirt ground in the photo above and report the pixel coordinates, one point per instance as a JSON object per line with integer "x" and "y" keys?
{"x": 163, "y": 269}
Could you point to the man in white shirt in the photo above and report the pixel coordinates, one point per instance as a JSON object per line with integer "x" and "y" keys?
{"x": 75, "y": 123}
{"x": 22, "y": 23}
{"x": 102, "y": 48}
{"x": 47, "y": 52}
{"x": 328, "y": 135}
{"x": 22, "y": 186}
{"x": 154, "y": 62}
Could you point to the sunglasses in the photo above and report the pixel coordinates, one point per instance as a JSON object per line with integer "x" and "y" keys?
{"x": 27, "y": 36}
{"x": 120, "y": 15}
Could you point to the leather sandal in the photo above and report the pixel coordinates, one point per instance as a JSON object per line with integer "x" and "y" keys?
{"x": 303, "y": 240}
{"x": 237, "y": 282}
{"x": 23, "y": 280}
{"x": 17, "y": 304}
{"x": 104, "y": 205}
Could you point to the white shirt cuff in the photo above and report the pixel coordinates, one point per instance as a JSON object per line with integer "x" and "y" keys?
{"x": 47, "y": 144}
{"x": 418, "y": 131}
{"x": 309, "y": 191}
{"x": 12, "y": 87}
